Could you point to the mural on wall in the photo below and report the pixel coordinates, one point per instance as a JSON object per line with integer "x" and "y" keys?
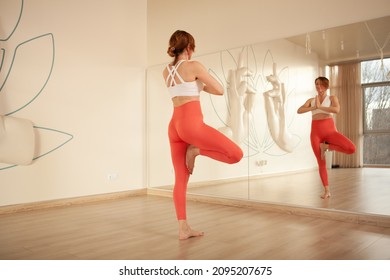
{"x": 240, "y": 101}
{"x": 275, "y": 105}
{"x": 19, "y": 61}
{"x": 244, "y": 86}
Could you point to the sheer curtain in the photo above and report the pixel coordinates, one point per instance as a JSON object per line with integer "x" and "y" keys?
{"x": 345, "y": 84}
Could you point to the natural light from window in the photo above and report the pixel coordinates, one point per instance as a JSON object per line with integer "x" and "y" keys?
{"x": 375, "y": 78}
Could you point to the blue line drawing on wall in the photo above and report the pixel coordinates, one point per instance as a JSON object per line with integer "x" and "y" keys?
{"x": 13, "y": 101}
{"x": 2, "y": 58}
{"x": 66, "y": 137}
{"x": 32, "y": 95}
{"x": 242, "y": 120}
{"x": 18, "y": 10}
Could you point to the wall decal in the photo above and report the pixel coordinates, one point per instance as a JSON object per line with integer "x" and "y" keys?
{"x": 39, "y": 51}
{"x": 240, "y": 102}
{"x": 275, "y": 106}
{"x": 244, "y": 84}
{"x": 33, "y": 57}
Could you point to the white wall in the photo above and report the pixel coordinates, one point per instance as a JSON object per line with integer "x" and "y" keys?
{"x": 92, "y": 106}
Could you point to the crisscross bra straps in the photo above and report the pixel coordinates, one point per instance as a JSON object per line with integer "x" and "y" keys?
{"x": 172, "y": 73}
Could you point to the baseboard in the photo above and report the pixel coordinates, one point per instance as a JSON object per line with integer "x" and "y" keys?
{"x": 9, "y": 209}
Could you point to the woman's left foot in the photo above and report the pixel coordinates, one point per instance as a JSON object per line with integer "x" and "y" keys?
{"x": 191, "y": 154}
{"x": 323, "y": 148}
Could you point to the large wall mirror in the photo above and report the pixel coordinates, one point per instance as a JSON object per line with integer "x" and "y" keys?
{"x": 265, "y": 84}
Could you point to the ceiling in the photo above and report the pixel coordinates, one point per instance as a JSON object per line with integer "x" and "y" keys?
{"x": 349, "y": 42}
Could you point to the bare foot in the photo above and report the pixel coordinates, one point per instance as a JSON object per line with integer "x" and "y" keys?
{"x": 323, "y": 148}
{"x": 186, "y": 232}
{"x": 326, "y": 194}
{"x": 191, "y": 154}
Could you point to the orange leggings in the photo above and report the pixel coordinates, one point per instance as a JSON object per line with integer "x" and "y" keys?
{"x": 325, "y": 131}
{"x": 187, "y": 127}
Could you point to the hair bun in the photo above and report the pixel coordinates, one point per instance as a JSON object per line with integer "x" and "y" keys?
{"x": 171, "y": 51}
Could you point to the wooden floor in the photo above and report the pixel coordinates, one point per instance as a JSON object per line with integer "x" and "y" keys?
{"x": 144, "y": 227}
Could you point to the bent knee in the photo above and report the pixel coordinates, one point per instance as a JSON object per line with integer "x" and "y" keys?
{"x": 351, "y": 150}
{"x": 237, "y": 156}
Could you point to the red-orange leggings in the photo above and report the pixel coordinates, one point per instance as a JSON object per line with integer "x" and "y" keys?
{"x": 187, "y": 127}
{"x": 325, "y": 131}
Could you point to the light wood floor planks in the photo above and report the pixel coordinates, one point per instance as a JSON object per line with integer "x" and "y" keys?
{"x": 144, "y": 227}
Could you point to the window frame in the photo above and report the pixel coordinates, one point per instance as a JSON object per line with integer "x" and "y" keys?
{"x": 372, "y": 132}
{"x": 364, "y": 87}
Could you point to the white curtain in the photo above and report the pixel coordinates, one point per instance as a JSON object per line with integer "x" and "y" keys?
{"x": 345, "y": 84}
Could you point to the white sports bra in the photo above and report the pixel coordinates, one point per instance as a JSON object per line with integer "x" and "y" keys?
{"x": 183, "y": 88}
{"x": 326, "y": 103}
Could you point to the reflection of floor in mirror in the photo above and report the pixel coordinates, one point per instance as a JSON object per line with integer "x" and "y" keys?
{"x": 361, "y": 190}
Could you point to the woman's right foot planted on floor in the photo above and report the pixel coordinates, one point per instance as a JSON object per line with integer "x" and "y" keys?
{"x": 325, "y": 195}
{"x": 186, "y": 232}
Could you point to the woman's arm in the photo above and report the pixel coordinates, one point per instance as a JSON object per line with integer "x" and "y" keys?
{"x": 306, "y": 107}
{"x": 334, "y": 105}
{"x": 211, "y": 85}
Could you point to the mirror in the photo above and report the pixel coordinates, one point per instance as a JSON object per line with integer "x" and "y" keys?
{"x": 265, "y": 84}
{"x": 359, "y": 41}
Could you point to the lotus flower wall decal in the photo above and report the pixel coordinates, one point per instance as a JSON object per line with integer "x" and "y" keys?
{"x": 19, "y": 62}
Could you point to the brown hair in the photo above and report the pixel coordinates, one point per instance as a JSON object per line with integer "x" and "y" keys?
{"x": 323, "y": 80}
{"x": 178, "y": 42}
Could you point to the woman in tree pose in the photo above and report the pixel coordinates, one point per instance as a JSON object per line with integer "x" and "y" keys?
{"x": 188, "y": 135}
{"x": 324, "y": 135}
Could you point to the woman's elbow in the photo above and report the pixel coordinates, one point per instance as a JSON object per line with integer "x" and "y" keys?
{"x": 220, "y": 91}
{"x": 214, "y": 90}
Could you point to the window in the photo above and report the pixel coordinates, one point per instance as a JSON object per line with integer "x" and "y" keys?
{"x": 376, "y": 118}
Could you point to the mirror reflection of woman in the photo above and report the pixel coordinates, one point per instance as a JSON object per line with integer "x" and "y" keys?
{"x": 324, "y": 135}
{"x": 189, "y": 136}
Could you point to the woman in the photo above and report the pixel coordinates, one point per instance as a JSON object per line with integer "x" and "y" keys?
{"x": 188, "y": 135}
{"x": 324, "y": 135}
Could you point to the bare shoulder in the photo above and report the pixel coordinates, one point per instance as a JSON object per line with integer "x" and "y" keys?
{"x": 165, "y": 73}
{"x": 195, "y": 65}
